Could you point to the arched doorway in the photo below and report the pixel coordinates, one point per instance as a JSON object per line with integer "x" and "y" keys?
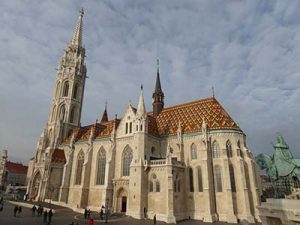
{"x": 35, "y": 186}
{"x": 122, "y": 200}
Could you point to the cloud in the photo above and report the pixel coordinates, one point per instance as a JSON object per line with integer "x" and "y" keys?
{"x": 249, "y": 51}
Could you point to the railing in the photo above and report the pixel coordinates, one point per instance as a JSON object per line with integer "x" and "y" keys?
{"x": 158, "y": 162}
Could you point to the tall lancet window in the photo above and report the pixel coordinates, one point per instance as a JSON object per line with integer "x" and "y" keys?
{"x": 191, "y": 179}
{"x": 228, "y": 149}
{"x": 216, "y": 150}
{"x": 66, "y": 89}
{"x": 232, "y": 178}
{"x": 200, "y": 183}
{"x": 126, "y": 160}
{"x": 80, "y": 161}
{"x": 72, "y": 115}
{"x": 75, "y": 92}
{"x": 101, "y": 167}
{"x": 62, "y": 113}
{"x": 218, "y": 179}
{"x": 193, "y": 151}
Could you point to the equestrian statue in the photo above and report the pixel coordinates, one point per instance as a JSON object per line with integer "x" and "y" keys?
{"x": 282, "y": 169}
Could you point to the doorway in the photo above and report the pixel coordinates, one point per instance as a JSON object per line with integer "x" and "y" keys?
{"x": 124, "y": 204}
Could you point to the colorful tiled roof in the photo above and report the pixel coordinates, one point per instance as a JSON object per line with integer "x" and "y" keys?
{"x": 58, "y": 156}
{"x": 101, "y": 130}
{"x": 16, "y": 167}
{"x": 190, "y": 116}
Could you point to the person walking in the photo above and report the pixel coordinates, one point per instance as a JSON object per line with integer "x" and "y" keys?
{"x": 50, "y": 214}
{"x": 33, "y": 209}
{"x": 154, "y": 219}
{"x": 101, "y": 214}
{"x": 45, "y": 216}
{"x": 19, "y": 210}
{"x": 16, "y": 210}
{"x": 85, "y": 213}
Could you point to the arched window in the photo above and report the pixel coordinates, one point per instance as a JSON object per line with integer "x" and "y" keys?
{"x": 80, "y": 160}
{"x": 72, "y": 114}
{"x": 191, "y": 177}
{"x": 218, "y": 179}
{"x": 157, "y": 186}
{"x": 216, "y": 150}
{"x": 228, "y": 149}
{"x": 130, "y": 127}
{"x": 126, "y": 130}
{"x": 153, "y": 150}
{"x": 57, "y": 89}
{"x": 193, "y": 151}
{"x": 127, "y": 157}
{"x": 75, "y": 92}
{"x": 200, "y": 184}
{"x": 62, "y": 113}
{"x": 150, "y": 186}
{"x": 232, "y": 178}
{"x": 101, "y": 167}
{"x": 66, "y": 89}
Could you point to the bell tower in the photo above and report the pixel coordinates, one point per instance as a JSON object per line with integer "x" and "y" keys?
{"x": 66, "y": 105}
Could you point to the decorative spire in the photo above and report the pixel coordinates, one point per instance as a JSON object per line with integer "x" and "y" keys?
{"x": 141, "y": 111}
{"x": 158, "y": 95}
{"x": 104, "y": 116}
{"x": 77, "y": 36}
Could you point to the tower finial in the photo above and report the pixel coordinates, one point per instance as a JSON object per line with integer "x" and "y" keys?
{"x": 104, "y": 116}
{"x": 158, "y": 95}
{"x": 141, "y": 86}
{"x": 105, "y": 105}
{"x": 77, "y": 36}
{"x": 213, "y": 91}
{"x": 157, "y": 65}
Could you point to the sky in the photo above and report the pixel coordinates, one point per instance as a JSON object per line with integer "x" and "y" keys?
{"x": 249, "y": 51}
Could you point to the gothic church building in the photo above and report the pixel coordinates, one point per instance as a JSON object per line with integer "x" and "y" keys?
{"x": 185, "y": 161}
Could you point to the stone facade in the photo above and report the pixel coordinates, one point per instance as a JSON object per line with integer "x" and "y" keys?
{"x": 184, "y": 161}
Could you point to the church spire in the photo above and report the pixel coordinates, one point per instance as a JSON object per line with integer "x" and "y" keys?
{"x": 141, "y": 110}
{"x": 104, "y": 116}
{"x": 77, "y": 36}
{"x": 158, "y": 95}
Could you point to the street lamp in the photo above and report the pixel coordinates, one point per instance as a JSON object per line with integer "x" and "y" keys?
{"x": 106, "y": 210}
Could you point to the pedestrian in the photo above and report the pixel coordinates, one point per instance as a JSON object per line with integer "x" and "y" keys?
{"x": 16, "y": 210}
{"x": 39, "y": 210}
{"x": 154, "y": 219}
{"x": 101, "y": 214}
{"x": 33, "y": 209}
{"x": 50, "y": 214}
{"x": 89, "y": 213}
{"x": 85, "y": 213}
{"x": 45, "y": 216}
{"x": 19, "y": 210}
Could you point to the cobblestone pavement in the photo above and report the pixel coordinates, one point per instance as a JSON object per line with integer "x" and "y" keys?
{"x": 65, "y": 217}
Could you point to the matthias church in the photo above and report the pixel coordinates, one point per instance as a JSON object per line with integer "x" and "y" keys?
{"x": 188, "y": 160}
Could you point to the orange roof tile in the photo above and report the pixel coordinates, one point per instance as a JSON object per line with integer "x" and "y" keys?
{"x": 16, "y": 167}
{"x": 58, "y": 156}
{"x": 190, "y": 116}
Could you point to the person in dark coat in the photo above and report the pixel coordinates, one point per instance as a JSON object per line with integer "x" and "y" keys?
{"x": 101, "y": 214}
{"x": 16, "y": 210}
{"x": 33, "y": 209}
{"x": 85, "y": 213}
{"x": 89, "y": 213}
{"x": 45, "y": 216}
{"x": 19, "y": 210}
{"x": 154, "y": 219}
{"x": 50, "y": 214}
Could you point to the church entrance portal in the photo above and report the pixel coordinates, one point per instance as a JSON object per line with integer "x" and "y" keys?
{"x": 35, "y": 186}
{"x": 121, "y": 201}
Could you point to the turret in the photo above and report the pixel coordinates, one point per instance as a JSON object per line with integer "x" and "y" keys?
{"x": 104, "y": 116}
{"x": 158, "y": 95}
